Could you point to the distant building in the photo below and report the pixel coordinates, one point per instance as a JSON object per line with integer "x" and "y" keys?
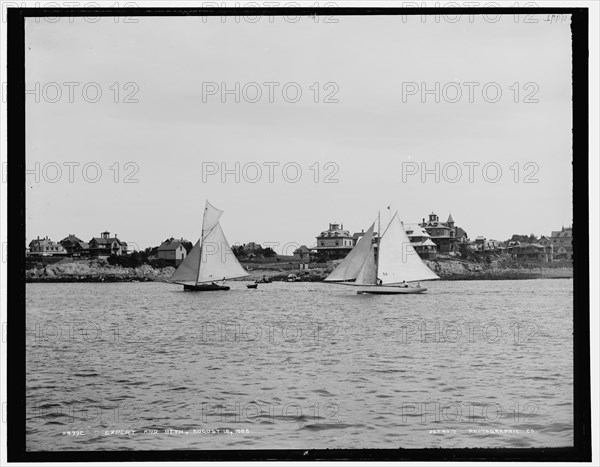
{"x": 443, "y": 234}
{"x": 546, "y": 242}
{"x": 46, "y": 247}
{"x": 302, "y": 254}
{"x": 534, "y": 252}
{"x": 421, "y": 241}
{"x": 173, "y": 251}
{"x": 562, "y": 241}
{"x": 334, "y": 243}
{"x": 252, "y": 246}
{"x": 461, "y": 235}
{"x": 105, "y": 245}
{"x": 75, "y": 246}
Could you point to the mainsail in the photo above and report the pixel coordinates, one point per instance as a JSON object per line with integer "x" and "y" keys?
{"x": 211, "y": 259}
{"x": 352, "y": 264}
{"x": 218, "y": 261}
{"x": 398, "y": 260}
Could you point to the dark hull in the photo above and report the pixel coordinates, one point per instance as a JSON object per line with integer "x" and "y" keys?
{"x": 252, "y": 286}
{"x": 389, "y": 290}
{"x": 204, "y": 288}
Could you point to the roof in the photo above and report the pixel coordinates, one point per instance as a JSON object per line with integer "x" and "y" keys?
{"x": 450, "y": 218}
{"x": 562, "y": 233}
{"x": 460, "y": 232}
{"x": 415, "y": 231}
{"x": 335, "y": 233}
{"x": 170, "y": 246}
{"x": 436, "y": 225}
{"x": 529, "y": 245}
{"x": 83, "y": 245}
{"x": 105, "y": 241}
{"x": 427, "y": 242}
{"x": 302, "y": 249}
{"x": 43, "y": 241}
{"x": 71, "y": 238}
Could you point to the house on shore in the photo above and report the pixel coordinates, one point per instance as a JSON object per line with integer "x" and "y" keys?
{"x": 445, "y": 235}
{"x": 75, "y": 246}
{"x": 46, "y": 247}
{"x": 421, "y": 241}
{"x": 173, "y": 251}
{"x": 562, "y": 241}
{"x": 334, "y": 243}
{"x": 105, "y": 245}
{"x": 302, "y": 254}
{"x": 530, "y": 252}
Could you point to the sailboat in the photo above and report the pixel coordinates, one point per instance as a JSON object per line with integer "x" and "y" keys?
{"x": 384, "y": 268}
{"x": 210, "y": 260}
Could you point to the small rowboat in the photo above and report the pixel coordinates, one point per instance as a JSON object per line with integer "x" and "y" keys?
{"x": 252, "y": 286}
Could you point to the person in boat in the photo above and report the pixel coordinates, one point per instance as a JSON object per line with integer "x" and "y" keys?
{"x": 403, "y": 284}
{"x": 379, "y": 281}
{"x": 418, "y": 285}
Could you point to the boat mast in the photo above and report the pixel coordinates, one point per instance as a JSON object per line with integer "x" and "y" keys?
{"x": 201, "y": 242}
{"x": 378, "y": 247}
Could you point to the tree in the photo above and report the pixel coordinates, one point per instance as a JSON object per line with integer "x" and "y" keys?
{"x": 268, "y": 252}
{"x": 238, "y": 251}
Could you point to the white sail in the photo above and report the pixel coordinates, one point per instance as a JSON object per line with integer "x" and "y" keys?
{"x": 398, "y": 260}
{"x": 368, "y": 273}
{"x": 211, "y": 259}
{"x": 351, "y": 265}
{"x": 218, "y": 261}
{"x": 188, "y": 269}
{"x": 211, "y": 218}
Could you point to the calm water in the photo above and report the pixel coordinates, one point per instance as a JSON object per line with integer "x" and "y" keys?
{"x": 299, "y": 365}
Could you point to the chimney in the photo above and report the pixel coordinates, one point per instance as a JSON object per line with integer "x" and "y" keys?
{"x": 423, "y": 220}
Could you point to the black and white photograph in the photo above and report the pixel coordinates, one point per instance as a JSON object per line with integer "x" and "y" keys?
{"x": 299, "y": 232}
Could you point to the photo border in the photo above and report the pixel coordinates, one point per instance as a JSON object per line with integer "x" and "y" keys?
{"x": 16, "y": 339}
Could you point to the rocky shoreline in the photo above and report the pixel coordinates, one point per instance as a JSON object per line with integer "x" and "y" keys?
{"x": 98, "y": 270}
{"x": 95, "y": 270}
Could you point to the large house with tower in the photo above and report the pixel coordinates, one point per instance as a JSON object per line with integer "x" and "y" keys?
{"x": 334, "y": 243}
{"x": 105, "y": 245}
{"x": 445, "y": 235}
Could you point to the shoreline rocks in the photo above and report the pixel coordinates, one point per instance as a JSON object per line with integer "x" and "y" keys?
{"x": 98, "y": 270}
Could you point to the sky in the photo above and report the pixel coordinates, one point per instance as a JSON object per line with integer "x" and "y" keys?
{"x": 329, "y": 122}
